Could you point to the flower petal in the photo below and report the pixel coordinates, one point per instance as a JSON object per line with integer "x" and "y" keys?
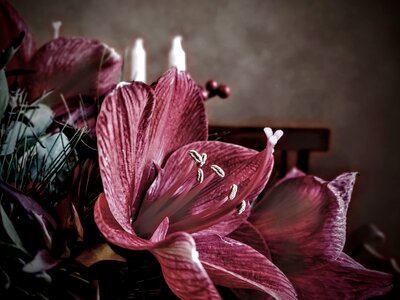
{"x": 120, "y": 141}
{"x": 303, "y": 220}
{"x": 113, "y": 231}
{"x": 41, "y": 262}
{"x": 182, "y": 269}
{"x": 30, "y": 205}
{"x": 73, "y": 66}
{"x": 293, "y": 173}
{"x": 11, "y": 25}
{"x": 234, "y": 264}
{"x": 249, "y": 170}
{"x": 249, "y": 235}
{"x": 341, "y": 279}
{"x": 179, "y": 115}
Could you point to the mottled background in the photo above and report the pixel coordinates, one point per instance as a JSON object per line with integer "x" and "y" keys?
{"x": 332, "y": 64}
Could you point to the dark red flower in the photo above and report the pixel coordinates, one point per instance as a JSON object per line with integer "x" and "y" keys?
{"x": 303, "y": 221}
{"x": 169, "y": 191}
{"x": 73, "y": 68}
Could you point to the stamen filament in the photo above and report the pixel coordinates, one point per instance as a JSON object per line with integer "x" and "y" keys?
{"x": 149, "y": 221}
{"x": 211, "y": 216}
{"x": 151, "y": 209}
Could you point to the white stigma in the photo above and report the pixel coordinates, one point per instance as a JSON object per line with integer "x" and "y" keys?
{"x": 218, "y": 170}
{"x": 203, "y": 159}
{"x": 268, "y": 132}
{"x": 233, "y": 192}
{"x": 278, "y": 134}
{"x": 242, "y": 207}
{"x": 272, "y": 137}
{"x": 196, "y": 156}
{"x": 273, "y": 140}
{"x": 200, "y": 175}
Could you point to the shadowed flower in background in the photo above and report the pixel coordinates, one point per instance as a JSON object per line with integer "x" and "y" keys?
{"x": 303, "y": 221}
{"x": 34, "y": 242}
{"x": 67, "y": 74}
{"x": 169, "y": 191}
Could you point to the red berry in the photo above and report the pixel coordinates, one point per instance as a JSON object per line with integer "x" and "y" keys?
{"x": 211, "y": 85}
{"x": 223, "y": 91}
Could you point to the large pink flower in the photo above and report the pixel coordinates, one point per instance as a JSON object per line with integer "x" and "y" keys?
{"x": 303, "y": 221}
{"x": 169, "y": 191}
{"x": 71, "y": 67}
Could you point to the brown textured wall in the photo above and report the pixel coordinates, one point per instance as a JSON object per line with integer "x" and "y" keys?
{"x": 299, "y": 63}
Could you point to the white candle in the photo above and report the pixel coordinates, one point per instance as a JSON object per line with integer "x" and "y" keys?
{"x": 138, "y": 63}
{"x": 177, "y": 57}
{"x": 56, "y": 28}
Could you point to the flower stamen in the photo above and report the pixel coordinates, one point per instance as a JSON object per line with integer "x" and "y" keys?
{"x": 196, "y": 156}
{"x": 232, "y": 194}
{"x": 200, "y": 175}
{"x": 218, "y": 170}
{"x": 203, "y": 159}
{"x": 241, "y": 207}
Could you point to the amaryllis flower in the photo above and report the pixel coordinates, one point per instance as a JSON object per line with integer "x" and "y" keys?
{"x": 303, "y": 221}
{"x": 73, "y": 68}
{"x": 169, "y": 191}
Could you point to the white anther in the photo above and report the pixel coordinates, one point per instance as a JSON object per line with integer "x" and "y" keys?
{"x": 233, "y": 192}
{"x": 203, "y": 159}
{"x": 242, "y": 207}
{"x": 218, "y": 170}
{"x": 268, "y": 132}
{"x": 196, "y": 156}
{"x": 200, "y": 175}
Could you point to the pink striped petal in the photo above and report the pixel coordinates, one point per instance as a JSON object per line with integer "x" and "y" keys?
{"x": 249, "y": 235}
{"x": 236, "y": 265}
{"x": 73, "y": 66}
{"x": 182, "y": 269}
{"x": 179, "y": 115}
{"x": 249, "y": 170}
{"x": 120, "y": 124}
{"x": 341, "y": 279}
{"x": 303, "y": 220}
{"x": 113, "y": 231}
{"x": 293, "y": 173}
{"x": 11, "y": 25}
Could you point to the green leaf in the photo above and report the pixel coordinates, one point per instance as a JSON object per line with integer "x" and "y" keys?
{"x": 4, "y": 93}
{"x": 25, "y": 132}
{"x": 10, "y": 229}
{"x": 4, "y": 279}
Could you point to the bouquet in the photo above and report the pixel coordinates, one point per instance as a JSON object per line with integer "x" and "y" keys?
{"x": 114, "y": 191}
